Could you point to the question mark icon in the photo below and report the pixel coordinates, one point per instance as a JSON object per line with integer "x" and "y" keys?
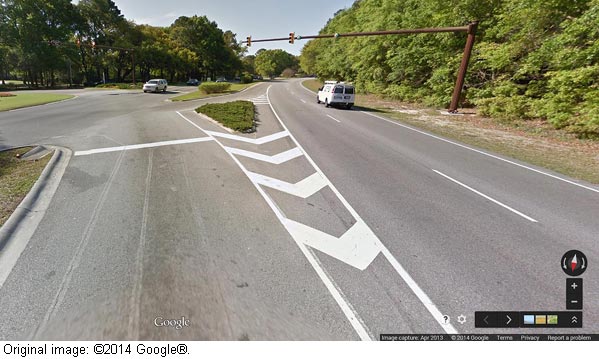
{"x": 446, "y": 319}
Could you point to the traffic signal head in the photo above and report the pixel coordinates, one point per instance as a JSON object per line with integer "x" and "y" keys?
{"x": 249, "y": 41}
{"x": 291, "y": 37}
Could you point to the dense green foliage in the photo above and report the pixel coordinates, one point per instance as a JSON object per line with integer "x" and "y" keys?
{"x": 532, "y": 58}
{"x": 271, "y": 63}
{"x": 46, "y": 42}
{"x": 214, "y": 87}
{"x": 236, "y": 115}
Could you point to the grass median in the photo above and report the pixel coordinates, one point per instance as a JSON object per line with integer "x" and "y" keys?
{"x": 16, "y": 179}
{"x": 196, "y": 95}
{"x": 236, "y": 115}
{"x": 20, "y": 100}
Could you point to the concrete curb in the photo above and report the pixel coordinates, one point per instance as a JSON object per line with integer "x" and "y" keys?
{"x": 22, "y": 224}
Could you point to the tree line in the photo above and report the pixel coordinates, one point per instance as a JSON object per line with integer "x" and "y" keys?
{"x": 533, "y": 59}
{"x": 45, "y": 42}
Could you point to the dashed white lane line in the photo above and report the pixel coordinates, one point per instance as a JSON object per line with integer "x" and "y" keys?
{"x": 275, "y": 159}
{"x": 484, "y": 153}
{"x": 302, "y": 100}
{"x": 487, "y": 197}
{"x": 331, "y": 117}
{"x": 143, "y": 145}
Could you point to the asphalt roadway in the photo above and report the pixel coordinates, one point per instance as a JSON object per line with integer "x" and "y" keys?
{"x": 324, "y": 224}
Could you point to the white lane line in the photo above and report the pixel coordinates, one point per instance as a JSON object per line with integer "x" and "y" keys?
{"x": 329, "y": 116}
{"x": 303, "y": 189}
{"x": 349, "y": 312}
{"x": 255, "y": 141}
{"x": 302, "y": 100}
{"x": 275, "y": 159}
{"x": 487, "y": 197}
{"x": 143, "y": 145}
{"x": 424, "y": 299}
{"x": 483, "y": 153}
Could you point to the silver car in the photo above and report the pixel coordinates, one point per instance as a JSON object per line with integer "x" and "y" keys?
{"x": 155, "y": 85}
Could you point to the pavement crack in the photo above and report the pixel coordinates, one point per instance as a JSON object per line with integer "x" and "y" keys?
{"x": 199, "y": 222}
{"x": 135, "y": 301}
{"x": 75, "y": 261}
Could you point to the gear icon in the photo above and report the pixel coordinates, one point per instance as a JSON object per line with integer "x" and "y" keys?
{"x": 462, "y": 319}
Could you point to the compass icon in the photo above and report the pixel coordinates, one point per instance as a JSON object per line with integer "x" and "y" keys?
{"x": 574, "y": 263}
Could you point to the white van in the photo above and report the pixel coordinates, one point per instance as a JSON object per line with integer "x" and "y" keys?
{"x": 336, "y": 94}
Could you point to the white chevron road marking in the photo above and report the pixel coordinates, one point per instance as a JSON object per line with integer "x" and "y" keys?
{"x": 255, "y": 141}
{"x": 357, "y": 247}
{"x": 304, "y": 188}
{"x": 260, "y": 100}
{"x": 275, "y": 159}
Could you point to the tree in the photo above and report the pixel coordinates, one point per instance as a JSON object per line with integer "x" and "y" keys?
{"x": 36, "y": 30}
{"x": 248, "y": 64}
{"x": 271, "y": 63}
{"x": 203, "y": 37}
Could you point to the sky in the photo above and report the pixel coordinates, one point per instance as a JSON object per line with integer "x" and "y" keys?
{"x": 256, "y": 18}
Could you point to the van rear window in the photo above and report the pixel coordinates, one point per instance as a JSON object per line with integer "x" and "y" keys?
{"x": 338, "y": 89}
{"x": 349, "y": 90}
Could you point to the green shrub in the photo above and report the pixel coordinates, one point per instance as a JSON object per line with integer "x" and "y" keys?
{"x": 214, "y": 87}
{"x": 120, "y": 86}
{"x": 247, "y": 79}
{"x": 236, "y": 115}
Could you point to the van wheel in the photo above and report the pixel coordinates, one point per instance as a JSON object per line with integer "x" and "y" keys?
{"x": 326, "y": 103}
{"x": 317, "y": 100}
{"x": 349, "y": 106}
{"x": 164, "y": 90}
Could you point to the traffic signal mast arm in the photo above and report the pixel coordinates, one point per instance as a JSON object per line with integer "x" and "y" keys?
{"x": 371, "y": 33}
{"x": 470, "y": 29}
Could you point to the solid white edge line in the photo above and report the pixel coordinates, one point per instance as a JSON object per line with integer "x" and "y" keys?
{"x": 346, "y": 308}
{"x": 142, "y": 145}
{"x": 483, "y": 153}
{"x": 424, "y": 299}
{"x": 329, "y": 116}
{"x": 487, "y": 197}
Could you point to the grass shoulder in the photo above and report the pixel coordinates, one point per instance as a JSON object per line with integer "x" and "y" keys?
{"x": 236, "y": 115}
{"x": 312, "y": 84}
{"x": 199, "y": 94}
{"x": 21, "y": 100}
{"x": 536, "y": 143}
{"x": 527, "y": 141}
{"x": 17, "y": 177}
